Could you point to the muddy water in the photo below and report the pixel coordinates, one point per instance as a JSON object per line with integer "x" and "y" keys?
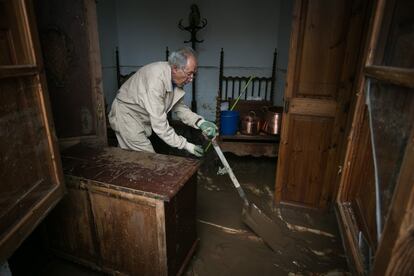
{"x": 309, "y": 241}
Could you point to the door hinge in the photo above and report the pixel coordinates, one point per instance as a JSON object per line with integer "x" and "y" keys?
{"x": 286, "y": 106}
{"x": 339, "y": 170}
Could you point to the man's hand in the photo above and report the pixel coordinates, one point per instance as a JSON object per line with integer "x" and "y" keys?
{"x": 194, "y": 149}
{"x": 208, "y": 128}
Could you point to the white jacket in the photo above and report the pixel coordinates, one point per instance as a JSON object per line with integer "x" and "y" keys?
{"x": 146, "y": 97}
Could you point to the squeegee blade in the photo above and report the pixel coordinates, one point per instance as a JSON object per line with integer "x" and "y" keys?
{"x": 271, "y": 233}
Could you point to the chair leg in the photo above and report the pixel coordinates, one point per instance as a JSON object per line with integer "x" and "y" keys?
{"x": 218, "y": 110}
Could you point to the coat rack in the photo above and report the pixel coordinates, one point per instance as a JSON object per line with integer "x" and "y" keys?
{"x": 195, "y": 24}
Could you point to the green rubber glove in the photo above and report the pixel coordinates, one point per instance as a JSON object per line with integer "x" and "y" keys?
{"x": 208, "y": 128}
{"x": 194, "y": 149}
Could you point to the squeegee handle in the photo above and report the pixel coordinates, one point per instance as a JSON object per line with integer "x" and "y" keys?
{"x": 242, "y": 92}
{"x": 230, "y": 171}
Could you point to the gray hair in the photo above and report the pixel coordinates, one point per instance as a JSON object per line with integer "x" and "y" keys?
{"x": 179, "y": 57}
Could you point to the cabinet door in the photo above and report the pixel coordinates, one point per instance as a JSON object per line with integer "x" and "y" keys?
{"x": 69, "y": 41}
{"x": 323, "y": 55}
{"x": 30, "y": 170}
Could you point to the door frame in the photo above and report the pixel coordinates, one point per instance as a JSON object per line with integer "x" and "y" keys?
{"x": 402, "y": 203}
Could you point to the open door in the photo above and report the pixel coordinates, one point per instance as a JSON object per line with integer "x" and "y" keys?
{"x": 30, "y": 171}
{"x": 69, "y": 41}
{"x": 375, "y": 202}
{"x": 325, "y": 42}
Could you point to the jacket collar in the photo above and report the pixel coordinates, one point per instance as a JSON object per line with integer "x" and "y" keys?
{"x": 169, "y": 85}
{"x": 178, "y": 93}
{"x": 168, "y": 79}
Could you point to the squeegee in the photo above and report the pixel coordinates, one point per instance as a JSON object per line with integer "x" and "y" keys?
{"x": 252, "y": 216}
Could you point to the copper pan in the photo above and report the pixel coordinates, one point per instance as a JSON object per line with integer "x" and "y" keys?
{"x": 250, "y": 124}
{"x": 273, "y": 120}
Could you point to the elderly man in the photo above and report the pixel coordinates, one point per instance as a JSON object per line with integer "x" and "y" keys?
{"x": 143, "y": 101}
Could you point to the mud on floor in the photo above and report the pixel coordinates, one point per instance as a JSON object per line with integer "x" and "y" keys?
{"x": 310, "y": 241}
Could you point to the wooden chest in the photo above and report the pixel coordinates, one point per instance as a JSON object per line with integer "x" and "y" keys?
{"x": 126, "y": 212}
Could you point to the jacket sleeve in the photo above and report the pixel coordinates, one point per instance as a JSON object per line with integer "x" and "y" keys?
{"x": 185, "y": 114}
{"x": 154, "y": 103}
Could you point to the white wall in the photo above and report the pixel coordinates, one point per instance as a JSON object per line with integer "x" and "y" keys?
{"x": 249, "y": 31}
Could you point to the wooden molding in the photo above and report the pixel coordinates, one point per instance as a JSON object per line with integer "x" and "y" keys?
{"x": 313, "y": 107}
{"x": 393, "y": 75}
{"x": 11, "y": 71}
{"x": 347, "y": 227}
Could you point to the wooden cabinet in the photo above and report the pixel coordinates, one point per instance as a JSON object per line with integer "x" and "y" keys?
{"x": 31, "y": 180}
{"x": 128, "y": 212}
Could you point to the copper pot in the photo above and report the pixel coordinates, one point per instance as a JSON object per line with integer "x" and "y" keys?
{"x": 250, "y": 124}
{"x": 273, "y": 120}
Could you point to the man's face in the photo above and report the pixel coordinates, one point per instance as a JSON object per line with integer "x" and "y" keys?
{"x": 184, "y": 76}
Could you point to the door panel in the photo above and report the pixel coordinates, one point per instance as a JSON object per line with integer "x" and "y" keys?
{"x": 69, "y": 41}
{"x": 15, "y": 37}
{"x": 110, "y": 215}
{"x": 307, "y": 157}
{"x": 73, "y": 214}
{"x": 325, "y": 44}
{"x": 6, "y": 47}
{"x": 30, "y": 171}
{"x": 363, "y": 199}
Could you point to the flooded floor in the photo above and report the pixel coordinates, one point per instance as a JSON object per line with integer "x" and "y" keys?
{"x": 310, "y": 243}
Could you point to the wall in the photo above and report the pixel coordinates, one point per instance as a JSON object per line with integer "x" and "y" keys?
{"x": 108, "y": 40}
{"x": 285, "y": 22}
{"x": 248, "y": 31}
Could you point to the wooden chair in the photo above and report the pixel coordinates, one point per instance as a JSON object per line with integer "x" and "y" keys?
{"x": 230, "y": 87}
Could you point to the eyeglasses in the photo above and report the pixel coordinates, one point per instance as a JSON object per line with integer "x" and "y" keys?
{"x": 189, "y": 74}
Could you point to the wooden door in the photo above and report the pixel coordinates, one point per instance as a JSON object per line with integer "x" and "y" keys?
{"x": 323, "y": 55}
{"x": 69, "y": 41}
{"x": 375, "y": 202}
{"x": 30, "y": 171}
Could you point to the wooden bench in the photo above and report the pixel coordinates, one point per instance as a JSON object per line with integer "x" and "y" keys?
{"x": 230, "y": 87}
